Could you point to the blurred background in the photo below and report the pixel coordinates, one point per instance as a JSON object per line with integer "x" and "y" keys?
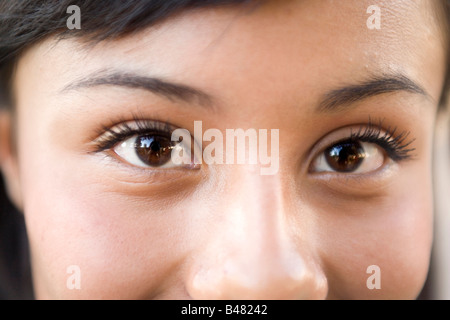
{"x": 440, "y": 268}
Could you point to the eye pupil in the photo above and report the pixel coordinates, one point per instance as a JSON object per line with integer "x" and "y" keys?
{"x": 345, "y": 156}
{"x": 153, "y": 150}
{"x": 155, "y": 146}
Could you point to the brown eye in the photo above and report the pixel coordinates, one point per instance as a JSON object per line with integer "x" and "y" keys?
{"x": 345, "y": 156}
{"x": 350, "y": 157}
{"x": 154, "y": 150}
{"x": 151, "y": 150}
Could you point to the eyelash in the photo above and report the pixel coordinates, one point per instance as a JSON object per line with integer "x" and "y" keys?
{"x": 112, "y": 137}
{"x": 397, "y": 147}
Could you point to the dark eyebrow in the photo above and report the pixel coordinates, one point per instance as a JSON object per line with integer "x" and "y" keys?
{"x": 169, "y": 90}
{"x": 340, "y": 98}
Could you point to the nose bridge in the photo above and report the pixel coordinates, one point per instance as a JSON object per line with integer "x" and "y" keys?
{"x": 252, "y": 255}
{"x": 255, "y": 210}
{"x": 254, "y": 220}
{"x": 257, "y": 205}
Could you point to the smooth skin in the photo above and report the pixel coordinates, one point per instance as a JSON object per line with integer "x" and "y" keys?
{"x": 226, "y": 231}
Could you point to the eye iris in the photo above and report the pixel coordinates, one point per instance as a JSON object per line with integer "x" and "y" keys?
{"x": 345, "y": 156}
{"x": 153, "y": 150}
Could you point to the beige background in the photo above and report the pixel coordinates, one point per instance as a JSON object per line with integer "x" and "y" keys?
{"x": 441, "y": 256}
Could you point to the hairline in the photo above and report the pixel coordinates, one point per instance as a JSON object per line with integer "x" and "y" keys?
{"x": 440, "y": 8}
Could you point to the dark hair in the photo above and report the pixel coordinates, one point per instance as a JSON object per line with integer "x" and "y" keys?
{"x": 23, "y": 23}
{"x": 15, "y": 271}
{"x": 26, "y": 22}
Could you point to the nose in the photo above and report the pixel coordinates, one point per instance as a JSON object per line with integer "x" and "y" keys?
{"x": 254, "y": 253}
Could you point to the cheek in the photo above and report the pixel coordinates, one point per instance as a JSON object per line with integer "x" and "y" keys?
{"x": 122, "y": 250}
{"x": 404, "y": 248}
{"x": 394, "y": 234}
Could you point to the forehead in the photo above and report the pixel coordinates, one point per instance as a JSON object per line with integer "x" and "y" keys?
{"x": 302, "y": 40}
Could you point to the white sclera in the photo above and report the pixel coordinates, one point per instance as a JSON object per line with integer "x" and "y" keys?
{"x": 373, "y": 159}
{"x": 127, "y": 151}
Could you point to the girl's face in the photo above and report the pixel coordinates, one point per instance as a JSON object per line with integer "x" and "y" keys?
{"x": 348, "y": 213}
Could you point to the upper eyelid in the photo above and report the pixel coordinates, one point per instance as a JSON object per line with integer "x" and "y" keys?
{"x": 396, "y": 143}
{"x": 110, "y": 136}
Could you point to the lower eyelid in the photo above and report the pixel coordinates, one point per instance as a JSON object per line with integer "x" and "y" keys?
{"x": 131, "y": 177}
{"x": 357, "y": 186}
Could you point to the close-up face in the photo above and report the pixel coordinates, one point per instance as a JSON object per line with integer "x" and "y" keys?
{"x": 346, "y": 202}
